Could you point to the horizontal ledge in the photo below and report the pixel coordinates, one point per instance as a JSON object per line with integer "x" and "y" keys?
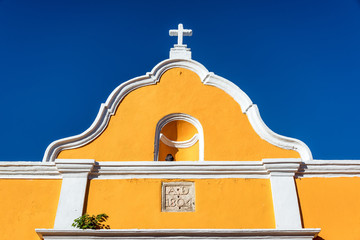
{"x": 306, "y": 233}
{"x": 180, "y": 163}
{"x": 185, "y": 169}
{"x": 29, "y": 170}
{"x": 329, "y": 168}
{"x": 210, "y": 169}
{"x": 178, "y": 176}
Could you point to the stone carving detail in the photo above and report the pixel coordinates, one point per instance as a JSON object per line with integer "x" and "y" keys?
{"x": 178, "y": 197}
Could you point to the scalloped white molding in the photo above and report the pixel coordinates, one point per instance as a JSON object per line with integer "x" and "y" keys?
{"x": 115, "y": 234}
{"x": 179, "y": 144}
{"x": 108, "y": 109}
{"x": 278, "y": 140}
{"x": 183, "y": 117}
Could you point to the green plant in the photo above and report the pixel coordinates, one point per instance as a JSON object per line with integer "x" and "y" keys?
{"x": 91, "y": 222}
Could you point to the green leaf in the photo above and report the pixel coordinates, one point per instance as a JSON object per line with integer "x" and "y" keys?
{"x": 91, "y": 222}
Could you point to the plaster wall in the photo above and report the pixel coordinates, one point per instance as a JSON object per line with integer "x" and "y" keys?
{"x": 179, "y": 131}
{"x": 331, "y": 204}
{"x": 25, "y": 205}
{"x": 219, "y": 203}
{"x": 180, "y": 154}
{"x": 129, "y": 136}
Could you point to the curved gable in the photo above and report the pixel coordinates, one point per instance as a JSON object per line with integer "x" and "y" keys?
{"x": 125, "y": 127}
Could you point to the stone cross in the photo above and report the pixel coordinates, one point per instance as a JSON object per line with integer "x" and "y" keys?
{"x": 180, "y": 32}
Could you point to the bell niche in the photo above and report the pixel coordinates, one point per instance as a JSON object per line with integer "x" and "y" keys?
{"x": 178, "y": 137}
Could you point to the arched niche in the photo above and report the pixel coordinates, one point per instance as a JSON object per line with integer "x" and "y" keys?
{"x": 180, "y": 135}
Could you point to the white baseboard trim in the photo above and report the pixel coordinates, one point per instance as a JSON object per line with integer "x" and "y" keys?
{"x": 115, "y": 234}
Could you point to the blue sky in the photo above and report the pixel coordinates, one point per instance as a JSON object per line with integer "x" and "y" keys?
{"x": 299, "y": 61}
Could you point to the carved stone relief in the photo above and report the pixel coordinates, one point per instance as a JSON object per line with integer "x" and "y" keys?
{"x": 178, "y": 197}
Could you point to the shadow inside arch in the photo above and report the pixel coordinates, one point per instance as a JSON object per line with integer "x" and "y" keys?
{"x": 319, "y": 238}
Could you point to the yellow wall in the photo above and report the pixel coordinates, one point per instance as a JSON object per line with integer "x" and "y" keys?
{"x": 179, "y": 131}
{"x": 219, "y": 203}
{"x": 179, "y": 154}
{"x": 26, "y": 205}
{"x": 228, "y": 135}
{"x": 331, "y": 204}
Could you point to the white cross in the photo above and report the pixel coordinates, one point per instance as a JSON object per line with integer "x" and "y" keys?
{"x": 180, "y": 32}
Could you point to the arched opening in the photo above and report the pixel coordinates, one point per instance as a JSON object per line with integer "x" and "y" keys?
{"x": 180, "y": 139}
{"x": 179, "y": 136}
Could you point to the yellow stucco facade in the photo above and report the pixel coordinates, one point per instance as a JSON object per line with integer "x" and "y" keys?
{"x": 332, "y": 204}
{"x": 327, "y": 203}
{"x": 220, "y": 203}
{"x": 243, "y": 180}
{"x": 228, "y": 135}
{"x": 26, "y": 205}
{"x": 179, "y": 130}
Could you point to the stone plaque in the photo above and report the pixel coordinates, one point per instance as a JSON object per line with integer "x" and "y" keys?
{"x": 178, "y": 197}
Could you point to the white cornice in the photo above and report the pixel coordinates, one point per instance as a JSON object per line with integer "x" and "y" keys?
{"x": 186, "y": 169}
{"x": 74, "y": 167}
{"x": 108, "y": 109}
{"x": 29, "y": 170}
{"x": 282, "y": 167}
{"x": 115, "y": 234}
{"x": 179, "y": 170}
{"x": 329, "y": 168}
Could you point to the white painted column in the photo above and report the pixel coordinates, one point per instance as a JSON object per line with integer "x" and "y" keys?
{"x": 285, "y": 200}
{"x": 73, "y": 190}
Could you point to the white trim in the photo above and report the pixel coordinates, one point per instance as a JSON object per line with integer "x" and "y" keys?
{"x": 179, "y": 144}
{"x": 230, "y": 88}
{"x": 285, "y": 201}
{"x": 329, "y": 168}
{"x": 180, "y": 52}
{"x": 183, "y": 117}
{"x": 283, "y": 190}
{"x": 74, "y": 167}
{"x": 108, "y": 109}
{"x": 206, "y": 169}
{"x": 278, "y": 140}
{"x": 73, "y": 190}
{"x": 115, "y": 234}
{"x": 178, "y": 170}
{"x": 29, "y": 170}
{"x": 282, "y": 167}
